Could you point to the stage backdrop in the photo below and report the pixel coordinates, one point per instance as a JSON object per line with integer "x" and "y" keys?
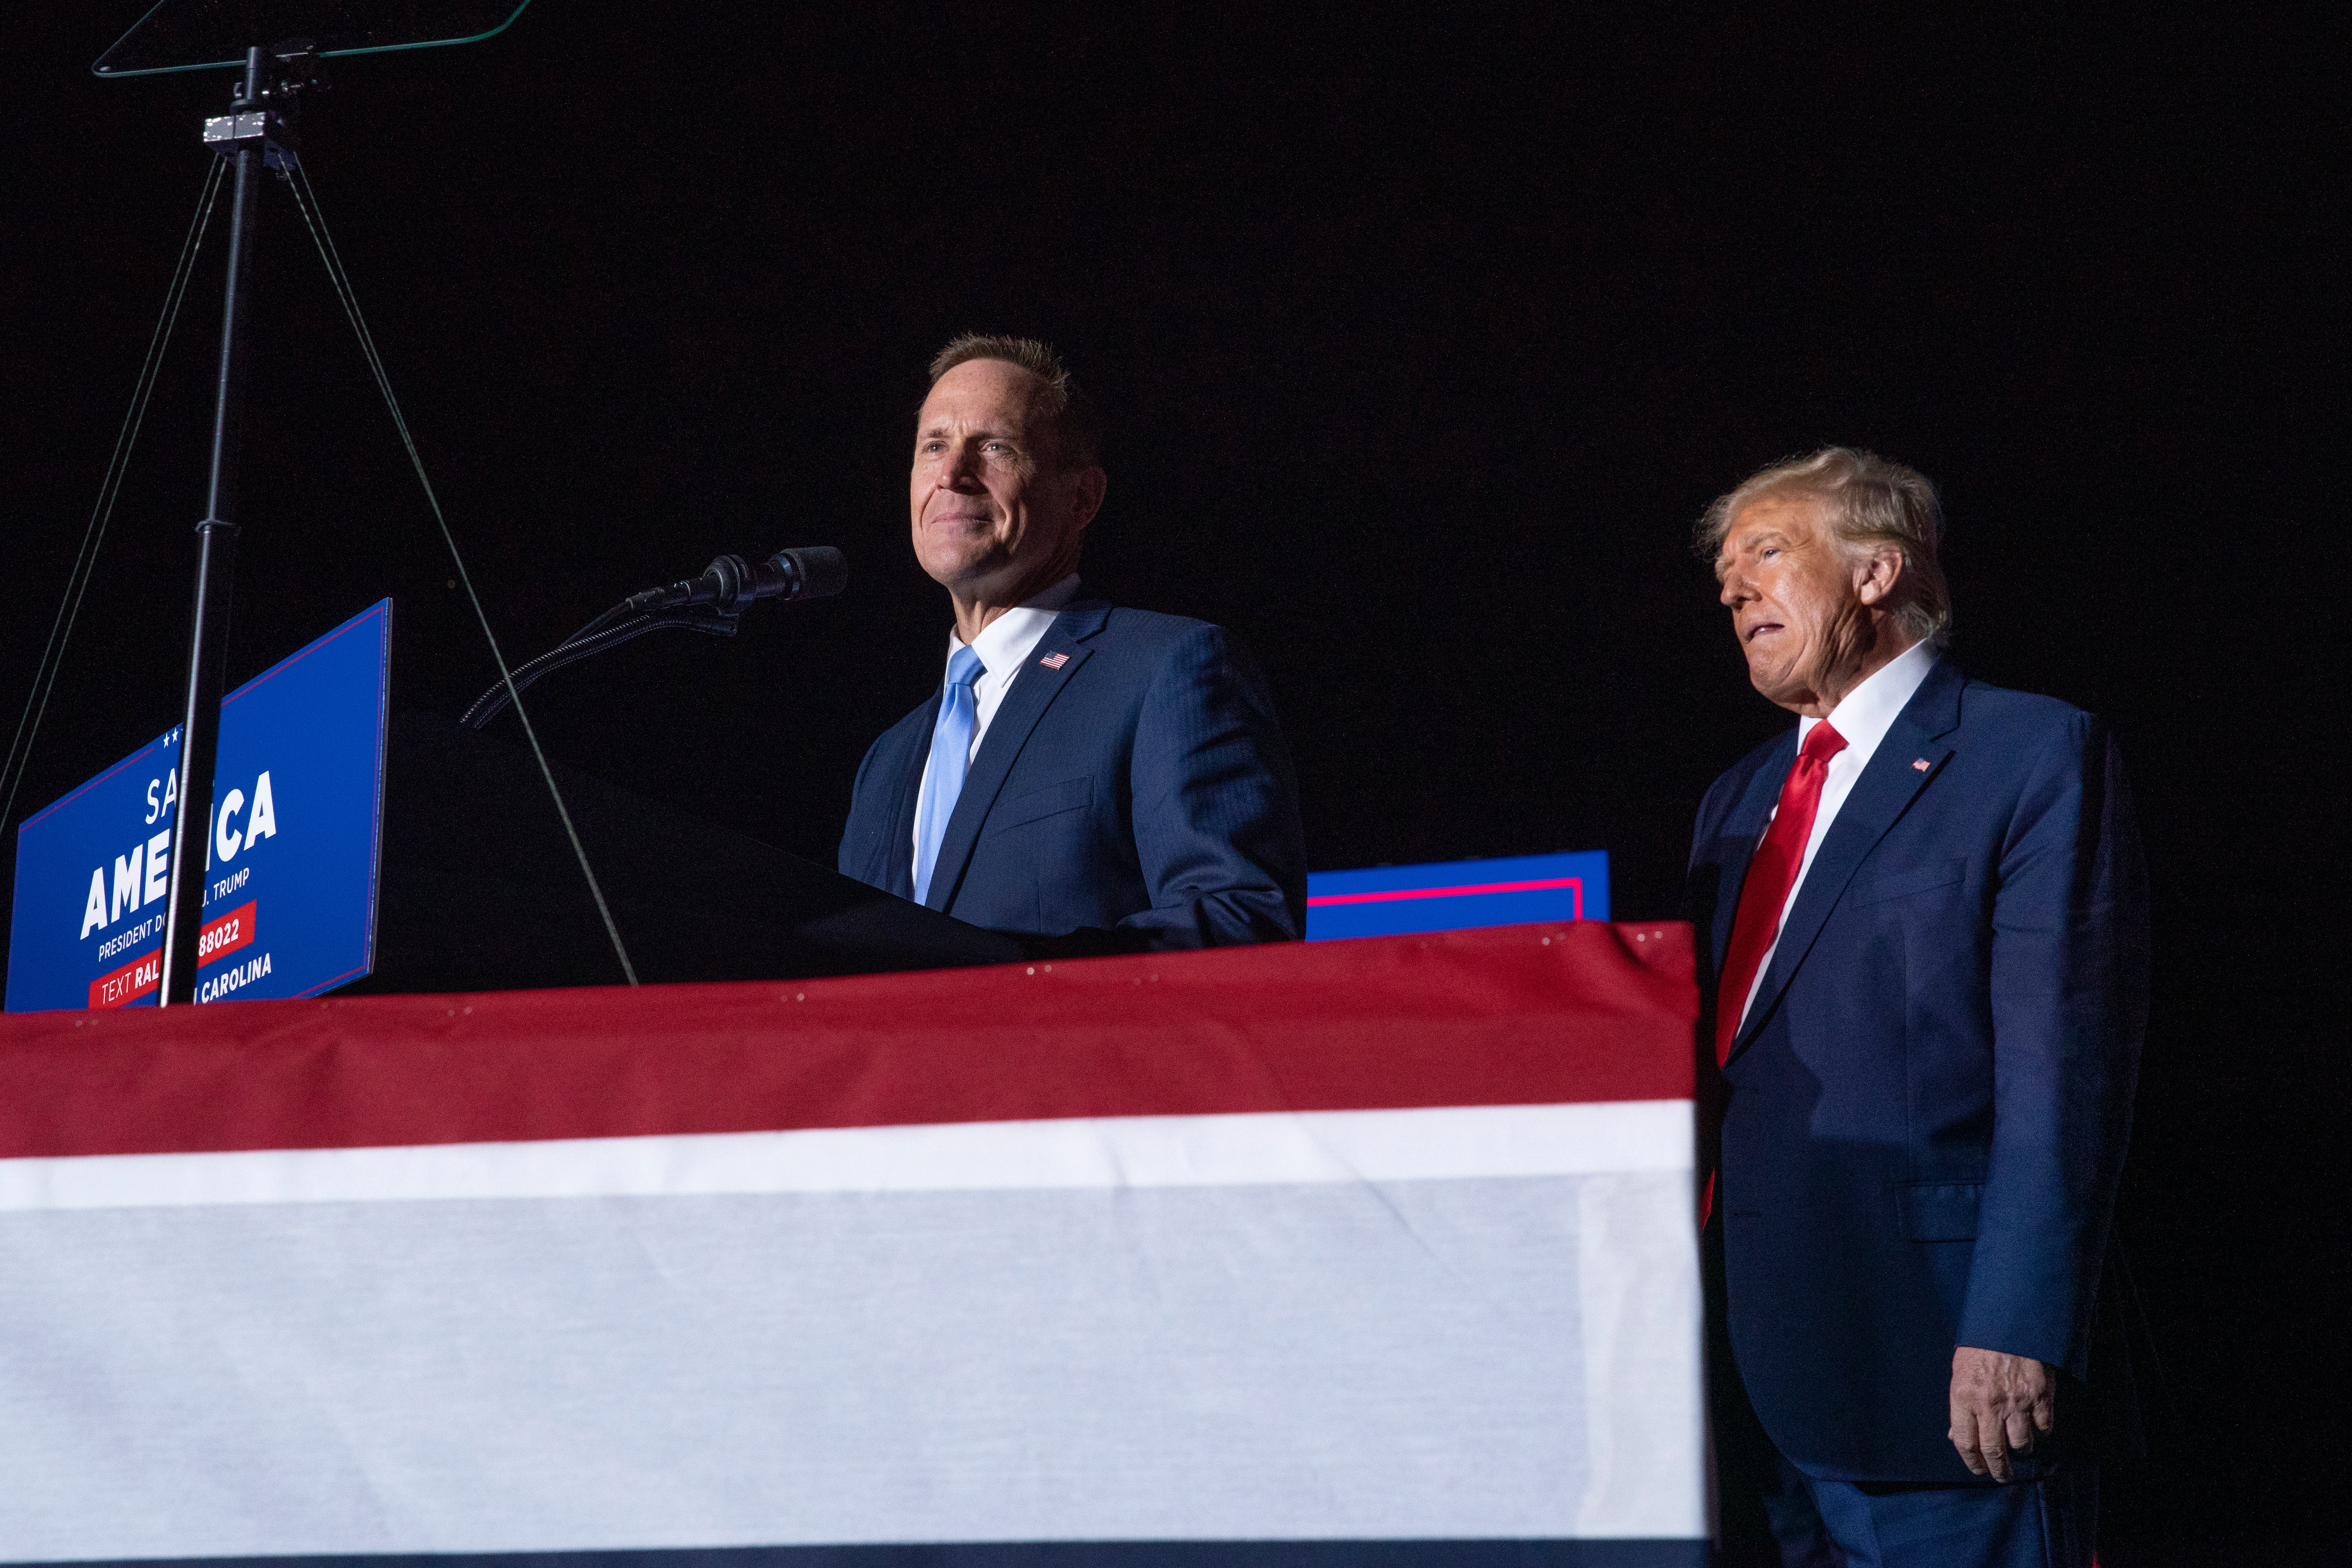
{"x": 1358, "y": 1251}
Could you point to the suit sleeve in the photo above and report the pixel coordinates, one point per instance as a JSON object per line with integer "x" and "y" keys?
{"x": 2069, "y": 974}
{"x": 1215, "y": 805}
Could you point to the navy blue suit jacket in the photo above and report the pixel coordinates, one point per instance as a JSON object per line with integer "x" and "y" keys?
{"x": 1924, "y": 1112}
{"x": 1133, "y": 779}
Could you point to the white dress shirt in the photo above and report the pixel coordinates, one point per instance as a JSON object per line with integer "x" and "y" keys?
{"x": 1004, "y": 646}
{"x": 1863, "y": 718}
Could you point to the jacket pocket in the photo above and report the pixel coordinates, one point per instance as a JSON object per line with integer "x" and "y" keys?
{"x": 1903, "y": 884}
{"x": 1069, "y": 795}
{"x": 1938, "y": 1211}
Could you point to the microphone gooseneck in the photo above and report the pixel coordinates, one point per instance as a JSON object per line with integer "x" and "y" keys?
{"x": 711, "y": 604}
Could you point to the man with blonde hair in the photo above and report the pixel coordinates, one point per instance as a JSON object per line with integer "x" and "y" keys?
{"x": 1924, "y": 913}
{"x": 1105, "y": 777}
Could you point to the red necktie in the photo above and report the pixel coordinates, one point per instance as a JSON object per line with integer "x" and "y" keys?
{"x": 1770, "y": 875}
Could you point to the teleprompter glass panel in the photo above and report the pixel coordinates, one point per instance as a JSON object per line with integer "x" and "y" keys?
{"x": 212, "y": 35}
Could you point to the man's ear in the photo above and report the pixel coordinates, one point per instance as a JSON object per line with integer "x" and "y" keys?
{"x": 1877, "y": 578}
{"x": 1088, "y": 486}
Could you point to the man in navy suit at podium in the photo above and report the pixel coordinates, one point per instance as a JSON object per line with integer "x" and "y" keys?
{"x": 1925, "y": 914}
{"x": 1110, "y": 776}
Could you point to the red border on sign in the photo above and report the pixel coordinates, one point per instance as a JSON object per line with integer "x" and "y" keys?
{"x": 1398, "y": 894}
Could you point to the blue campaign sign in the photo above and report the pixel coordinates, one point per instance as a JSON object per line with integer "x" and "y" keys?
{"x": 290, "y": 856}
{"x": 1456, "y": 895}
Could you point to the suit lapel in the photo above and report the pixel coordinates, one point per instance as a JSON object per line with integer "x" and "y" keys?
{"x": 1743, "y": 830}
{"x": 1033, "y": 690}
{"x": 1879, "y": 798}
{"x": 897, "y": 871}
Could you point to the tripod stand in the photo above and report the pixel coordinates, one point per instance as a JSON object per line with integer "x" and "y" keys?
{"x": 257, "y": 136}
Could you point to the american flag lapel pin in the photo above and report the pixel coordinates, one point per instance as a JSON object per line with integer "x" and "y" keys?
{"x": 1919, "y": 764}
{"x": 1055, "y": 661}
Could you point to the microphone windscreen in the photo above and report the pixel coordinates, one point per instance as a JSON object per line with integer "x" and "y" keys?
{"x": 822, "y": 569}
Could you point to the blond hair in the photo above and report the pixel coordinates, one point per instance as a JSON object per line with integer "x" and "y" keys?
{"x": 1871, "y": 502}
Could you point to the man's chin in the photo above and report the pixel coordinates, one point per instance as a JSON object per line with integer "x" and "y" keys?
{"x": 955, "y": 570}
{"x": 1777, "y": 684}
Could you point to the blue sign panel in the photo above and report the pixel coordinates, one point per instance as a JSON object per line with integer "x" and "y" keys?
{"x": 290, "y": 854}
{"x": 1456, "y": 895}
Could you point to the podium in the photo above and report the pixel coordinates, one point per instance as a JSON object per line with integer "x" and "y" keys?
{"x": 480, "y": 891}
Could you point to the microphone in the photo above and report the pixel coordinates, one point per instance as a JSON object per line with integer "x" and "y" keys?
{"x": 727, "y": 585}
{"x": 711, "y": 603}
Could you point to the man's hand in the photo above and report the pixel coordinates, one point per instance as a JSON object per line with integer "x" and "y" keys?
{"x": 2001, "y": 1402}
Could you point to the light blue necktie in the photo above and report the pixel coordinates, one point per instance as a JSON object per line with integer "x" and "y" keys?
{"x": 950, "y": 758}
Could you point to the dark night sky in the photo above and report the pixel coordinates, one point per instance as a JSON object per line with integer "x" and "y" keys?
{"x": 1424, "y": 344}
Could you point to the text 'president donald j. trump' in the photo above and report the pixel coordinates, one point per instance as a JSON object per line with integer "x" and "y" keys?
{"x": 1110, "y": 776}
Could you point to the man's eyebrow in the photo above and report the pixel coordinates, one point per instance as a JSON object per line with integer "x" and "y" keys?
{"x": 980, "y": 432}
{"x": 1752, "y": 537}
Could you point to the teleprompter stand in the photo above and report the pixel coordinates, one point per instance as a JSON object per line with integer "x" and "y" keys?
{"x": 242, "y": 135}
{"x": 253, "y": 136}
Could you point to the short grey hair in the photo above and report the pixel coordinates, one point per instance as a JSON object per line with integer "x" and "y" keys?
{"x": 1077, "y": 441}
{"x": 1871, "y": 502}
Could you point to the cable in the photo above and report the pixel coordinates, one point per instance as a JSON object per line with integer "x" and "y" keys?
{"x": 595, "y": 638}
{"x": 85, "y": 565}
{"x": 492, "y": 702}
{"x": 305, "y": 198}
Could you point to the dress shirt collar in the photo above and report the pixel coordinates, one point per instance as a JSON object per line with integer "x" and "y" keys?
{"x": 1006, "y": 641}
{"x": 1871, "y": 708}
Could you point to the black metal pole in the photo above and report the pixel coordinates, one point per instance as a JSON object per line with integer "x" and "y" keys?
{"x": 216, "y": 573}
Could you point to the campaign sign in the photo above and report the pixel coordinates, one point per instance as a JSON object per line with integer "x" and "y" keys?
{"x": 290, "y": 853}
{"x": 1456, "y": 895}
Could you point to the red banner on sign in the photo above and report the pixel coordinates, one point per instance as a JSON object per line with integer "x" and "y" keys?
{"x": 141, "y": 975}
{"x": 129, "y": 983}
{"x": 227, "y": 935}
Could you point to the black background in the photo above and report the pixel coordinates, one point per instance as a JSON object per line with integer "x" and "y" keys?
{"x": 1424, "y": 344}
